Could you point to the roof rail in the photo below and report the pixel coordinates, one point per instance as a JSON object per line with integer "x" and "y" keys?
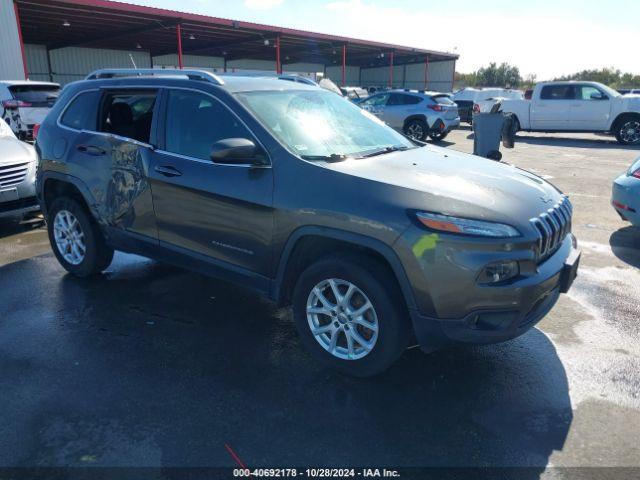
{"x": 138, "y": 72}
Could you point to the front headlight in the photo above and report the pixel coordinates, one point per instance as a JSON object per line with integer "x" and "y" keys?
{"x": 465, "y": 226}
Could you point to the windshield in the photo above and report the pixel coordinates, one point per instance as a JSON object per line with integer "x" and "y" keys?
{"x": 317, "y": 123}
{"x": 36, "y": 95}
{"x": 610, "y": 91}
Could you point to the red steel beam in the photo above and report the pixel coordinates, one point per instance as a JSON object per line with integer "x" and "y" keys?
{"x": 278, "y": 65}
{"x": 426, "y": 72}
{"x": 179, "y": 34}
{"x": 391, "y": 69}
{"x": 344, "y": 65}
{"x": 453, "y": 76}
{"x": 24, "y": 57}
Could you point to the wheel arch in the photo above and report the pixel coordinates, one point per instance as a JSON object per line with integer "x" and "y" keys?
{"x": 310, "y": 243}
{"x": 621, "y": 117}
{"x": 418, "y": 116}
{"x": 54, "y": 184}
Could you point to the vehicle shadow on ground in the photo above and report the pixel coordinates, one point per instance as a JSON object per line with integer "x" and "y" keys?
{"x": 602, "y": 142}
{"x": 10, "y": 227}
{"x": 152, "y": 365}
{"x": 625, "y": 244}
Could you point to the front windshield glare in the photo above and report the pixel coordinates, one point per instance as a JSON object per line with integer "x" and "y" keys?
{"x": 317, "y": 123}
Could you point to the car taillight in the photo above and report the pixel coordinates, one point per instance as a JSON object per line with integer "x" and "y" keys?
{"x": 36, "y": 129}
{"x": 436, "y": 107}
{"x": 13, "y": 104}
{"x": 476, "y": 108}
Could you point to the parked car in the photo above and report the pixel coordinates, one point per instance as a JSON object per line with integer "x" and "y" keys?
{"x": 578, "y": 107}
{"x": 466, "y": 97}
{"x": 486, "y": 106}
{"x": 626, "y": 194}
{"x": 25, "y": 103}
{"x": 298, "y": 193}
{"x": 355, "y": 94}
{"x": 18, "y": 162}
{"x": 417, "y": 114}
{"x": 628, "y": 91}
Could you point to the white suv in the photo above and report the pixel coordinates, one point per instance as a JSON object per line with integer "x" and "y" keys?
{"x": 25, "y": 103}
{"x": 417, "y": 114}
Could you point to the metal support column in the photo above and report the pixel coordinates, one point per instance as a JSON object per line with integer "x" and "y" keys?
{"x": 179, "y": 34}
{"x": 24, "y": 57}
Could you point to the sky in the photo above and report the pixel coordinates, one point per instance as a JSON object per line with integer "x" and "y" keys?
{"x": 547, "y": 38}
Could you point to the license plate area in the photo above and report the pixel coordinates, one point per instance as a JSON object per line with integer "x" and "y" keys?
{"x": 9, "y": 195}
{"x": 569, "y": 271}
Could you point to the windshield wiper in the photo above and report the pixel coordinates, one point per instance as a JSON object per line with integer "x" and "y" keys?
{"x": 334, "y": 157}
{"x": 384, "y": 151}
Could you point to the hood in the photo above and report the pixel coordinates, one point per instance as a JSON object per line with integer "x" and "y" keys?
{"x": 14, "y": 151}
{"x": 459, "y": 184}
{"x": 631, "y": 102}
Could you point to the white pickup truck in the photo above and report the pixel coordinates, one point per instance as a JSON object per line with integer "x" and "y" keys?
{"x": 578, "y": 107}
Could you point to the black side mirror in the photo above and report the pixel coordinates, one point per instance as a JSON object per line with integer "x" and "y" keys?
{"x": 237, "y": 151}
{"x": 599, "y": 96}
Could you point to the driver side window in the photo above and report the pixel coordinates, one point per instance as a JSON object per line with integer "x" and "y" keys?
{"x": 196, "y": 121}
{"x": 377, "y": 100}
{"x": 591, "y": 93}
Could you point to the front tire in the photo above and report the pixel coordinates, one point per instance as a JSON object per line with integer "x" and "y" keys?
{"x": 627, "y": 130}
{"x": 350, "y": 316}
{"x": 75, "y": 238}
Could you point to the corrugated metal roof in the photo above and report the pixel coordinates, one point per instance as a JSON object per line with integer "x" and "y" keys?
{"x": 118, "y": 25}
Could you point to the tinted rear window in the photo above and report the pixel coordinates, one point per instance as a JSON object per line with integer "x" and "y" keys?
{"x": 442, "y": 100}
{"x": 558, "y": 92}
{"x": 82, "y": 112}
{"x": 36, "y": 95}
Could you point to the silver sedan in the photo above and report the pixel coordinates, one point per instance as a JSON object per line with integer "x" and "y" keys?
{"x": 17, "y": 175}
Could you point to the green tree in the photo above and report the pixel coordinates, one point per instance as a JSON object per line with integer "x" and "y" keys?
{"x": 494, "y": 75}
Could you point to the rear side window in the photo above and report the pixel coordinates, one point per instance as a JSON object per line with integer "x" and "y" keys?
{"x": 35, "y": 95}
{"x": 82, "y": 112}
{"x": 196, "y": 121}
{"x": 128, "y": 114}
{"x": 411, "y": 99}
{"x": 558, "y": 92}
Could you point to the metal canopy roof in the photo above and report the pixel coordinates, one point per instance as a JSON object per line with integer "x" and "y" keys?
{"x": 117, "y": 25}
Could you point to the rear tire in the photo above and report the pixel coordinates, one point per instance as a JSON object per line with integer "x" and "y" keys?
{"x": 76, "y": 239}
{"x": 379, "y": 335}
{"x": 438, "y": 136}
{"x": 627, "y": 130}
{"x": 416, "y": 129}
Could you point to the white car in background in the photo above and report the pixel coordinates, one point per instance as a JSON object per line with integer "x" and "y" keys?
{"x": 485, "y": 106}
{"x": 467, "y": 97}
{"x": 17, "y": 175}
{"x": 25, "y": 103}
{"x": 575, "y": 106}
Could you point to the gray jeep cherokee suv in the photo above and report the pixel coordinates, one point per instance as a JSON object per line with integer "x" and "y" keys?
{"x": 376, "y": 241}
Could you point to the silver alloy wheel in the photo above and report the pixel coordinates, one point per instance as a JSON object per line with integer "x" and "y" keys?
{"x": 630, "y": 132}
{"x": 342, "y": 319}
{"x": 415, "y": 131}
{"x": 69, "y": 237}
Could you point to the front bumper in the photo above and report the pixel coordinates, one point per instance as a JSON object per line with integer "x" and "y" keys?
{"x": 18, "y": 200}
{"x": 626, "y": 191}
{"x": 444, "y": 282}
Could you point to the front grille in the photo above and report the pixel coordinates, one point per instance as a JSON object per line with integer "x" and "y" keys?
{"x": 553, "y": 226}
{"x": 12, "y": 175}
